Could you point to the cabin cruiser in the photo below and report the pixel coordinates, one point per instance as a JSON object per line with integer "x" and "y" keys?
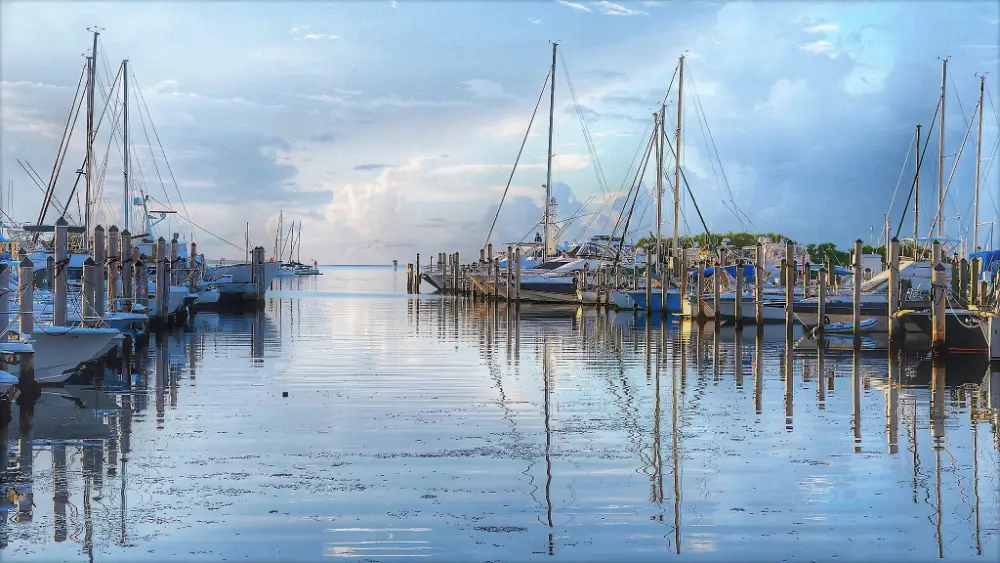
{"x": 556, "y": 279}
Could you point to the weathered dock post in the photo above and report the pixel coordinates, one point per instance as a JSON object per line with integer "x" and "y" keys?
{"x": 510, "y": 273}
{"x": 174, "y": 252}
{"x": 649, "y": 280}
{"x": 142, "y": 271}
{"x": 975, "y": 267}
{"x": 193, "y": 269}
{"x": 495, "y": 264}
{"x": 789, "y": 272}
{"x": 758, "y": 282}
{"x": 114, "y": 263}
{"x": 700, "y": 314}
{"x": 89, "y": 278}
{"x": 409, "y": 278}
{"x": 856, "y": 301}
{"x": 935, "y": 252}
{"x": 50, "y": 273}
{"x": 126, "y": 273}
{"x": 939, "y": 296}
{"x": 261, "y": 276}
{"x": 894, "y": 287}
{"x": 161, "y": 287}
{"x": 26, "y": 287}
{"x": 821, "y": 302}
{"x": 416, "y": 276}
{"x": 101, "y": 258}
{"x": 517, "y": 277}
{"x": 717, "y": 293}
{"x": 62, "y": 282}
{"x": 4, "y": 299}
{"x": 739, "y": 295}
{"x": 684, "y": 267}
{"x": 960, "y": 274}
{"x": 444, "y": 258}
{"x": 459, "y": 281}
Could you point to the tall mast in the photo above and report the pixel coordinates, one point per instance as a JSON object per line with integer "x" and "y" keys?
{"x": 658, "y": 133}
{"x": 677, "y": 154}
{"x": 916, "y": 196}
{"x": 549, "y": 251}
{"x": 125, "y": 151}
{"x": 92, "y": 75}
{"x": 940, "y": 211}
{"x": 979, "y": 158}
{"x": 298, "y": 242}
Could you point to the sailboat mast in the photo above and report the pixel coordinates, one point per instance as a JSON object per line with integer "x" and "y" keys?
{"x": 940, "y": 212}
{"x": 979, "y": 159}
{"x": 125, "y": 151}
{"x": 916, "y": 196}
{"x": 658, "y": 132}
{"x": 549, "y": 251}
{"x": 677, "y": 154}
{"x": 92, "y": 64}
{"x": 298, "y": 242}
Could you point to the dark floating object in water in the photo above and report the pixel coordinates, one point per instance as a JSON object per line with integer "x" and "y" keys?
{"x": 284, "y": 393}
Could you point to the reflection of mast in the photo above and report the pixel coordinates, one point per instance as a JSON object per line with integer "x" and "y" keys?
{"x": 937, "y": 433}
{"x": 548, "y": 441}
{"x": 676, "y": 455}
{"x": 124, "y": 438}
{"x": 88, "y": 520}
{"x": 656, "y": 479}
{"x": 974, "y": 416}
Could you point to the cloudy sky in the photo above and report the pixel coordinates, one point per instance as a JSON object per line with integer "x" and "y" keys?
{"x": 389, "y": 128}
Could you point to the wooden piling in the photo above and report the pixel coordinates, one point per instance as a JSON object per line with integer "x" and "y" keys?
{"x": 821, "y": 302}
{"x": 59, "y": 296}
{"x": 101, "y": 258}
{"x": 738, "y": 309}
{"x": 938, "y": 307}
{"x": 142, "y": 288}
{"x": 510, "y": 273}
{"x": 193, "y": 269}
{"x": 50, "y": 273}
{"x": 161, "y": 286}
{"x": 128, "y": 293}
{"x": 700, "y": 314}
{"x": 89, "y": 278}
{"x": 758, "y": 283}
{"x": 114, "y": 263}
{"x": 4, "y": 300}
{"x": 495, "y": 263}
{"x": 790, "y": 282}
{"x": 856, "y": 301}
{"x": 649, "y": 281}
{"x": 517, "y": 277}
{"x": 26, "y": 287}
{"x": 894, "y": 287}
{"x": 717, "y": 293}
{"x": 416, "y": 276}
{"x": 975, "y": 268}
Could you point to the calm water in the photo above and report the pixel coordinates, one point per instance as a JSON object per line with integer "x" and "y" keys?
{"x": 437, "y": 428}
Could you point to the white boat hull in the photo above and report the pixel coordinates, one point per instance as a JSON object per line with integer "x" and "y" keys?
{"x": 59, "y": 350}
